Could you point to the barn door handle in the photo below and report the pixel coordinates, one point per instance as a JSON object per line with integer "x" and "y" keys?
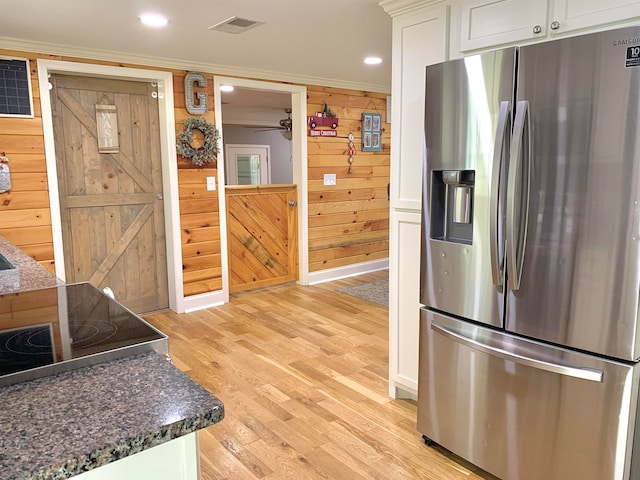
{"x": 292, "y": 203}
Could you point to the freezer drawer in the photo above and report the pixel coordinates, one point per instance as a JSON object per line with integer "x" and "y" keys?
{"x": 523, "y": 410}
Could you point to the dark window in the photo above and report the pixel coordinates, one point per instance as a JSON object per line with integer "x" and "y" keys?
{"x": 15, "y": 94}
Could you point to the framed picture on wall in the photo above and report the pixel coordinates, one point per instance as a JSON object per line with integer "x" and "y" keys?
{"x": 371, "y": 132}
{"x": 375, "y": 123}
{"x": 375, "y": 140}
{"x": 366, "y": 122}
{"x": 366, "y": 141}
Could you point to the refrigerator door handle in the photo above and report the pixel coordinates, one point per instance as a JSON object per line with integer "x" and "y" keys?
{"x": 566, "y": 370}
{"x": 497, "y": 171}
{"x": 516, "y": 224}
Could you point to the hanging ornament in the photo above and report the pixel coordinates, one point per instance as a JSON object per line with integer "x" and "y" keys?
{"x": 5, "y": 177}
{"x": 351, "y": 151}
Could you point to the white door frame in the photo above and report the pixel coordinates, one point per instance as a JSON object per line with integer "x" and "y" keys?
{"x": 299, "y": 161}
{"x": 168, "y": 156}
{"x": 232, "y": 168}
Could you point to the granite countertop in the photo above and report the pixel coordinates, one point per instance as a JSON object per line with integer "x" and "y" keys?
{"x": 32, "y": 275}
{"x": 62, "y": 425}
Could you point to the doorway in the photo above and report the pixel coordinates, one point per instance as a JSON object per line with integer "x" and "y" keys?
{"x": 140, "y": 221}
{"x": 110, "y": 187}
{"x": 297, "y": 207}
{"x": 248, "y": 164}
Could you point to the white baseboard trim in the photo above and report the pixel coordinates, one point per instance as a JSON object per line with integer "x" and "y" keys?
{"x": 204, "y": 300}
{"x": 348, "y": 271}
{"x": 400, "y": 391}
{"x": 214, "y": 299}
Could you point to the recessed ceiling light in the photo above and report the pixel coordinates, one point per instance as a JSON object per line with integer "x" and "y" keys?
{"x": 226, "y": 88}
{"x": 373, "y": 60}
{"x": 154, "y": 20}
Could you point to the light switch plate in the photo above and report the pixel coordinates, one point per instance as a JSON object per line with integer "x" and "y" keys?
{"x": 211, "y": 183}
{"x": 329, "y": 178}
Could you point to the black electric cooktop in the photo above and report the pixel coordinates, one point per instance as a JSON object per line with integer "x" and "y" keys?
{"x": 65, "y": 327}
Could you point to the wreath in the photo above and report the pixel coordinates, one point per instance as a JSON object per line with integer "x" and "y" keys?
{"x": 208, "y": 152}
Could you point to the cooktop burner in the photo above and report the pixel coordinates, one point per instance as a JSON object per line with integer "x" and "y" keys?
{"x": 25, "y": 348}
{"x": 95, "y": 334}
{"x": 69, "y": 326}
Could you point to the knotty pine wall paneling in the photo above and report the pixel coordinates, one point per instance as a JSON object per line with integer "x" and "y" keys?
{"x": 199, "y": 208}
{"x": 348, "y": 222}
{"x": 25, "y": 219}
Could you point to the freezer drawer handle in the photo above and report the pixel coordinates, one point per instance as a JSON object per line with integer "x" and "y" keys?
{"x": 577, "y": 372}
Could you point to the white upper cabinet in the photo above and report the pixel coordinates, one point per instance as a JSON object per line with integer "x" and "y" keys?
{"x": 488, "y": 23}
{"x": 571, "y": 15}
{"x": 419, "y": 39}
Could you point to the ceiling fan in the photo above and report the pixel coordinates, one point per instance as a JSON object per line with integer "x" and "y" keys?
{"x": 285, "y": 125}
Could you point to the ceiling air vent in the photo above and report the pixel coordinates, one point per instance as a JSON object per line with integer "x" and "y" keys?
{"x": 235, "y": 25}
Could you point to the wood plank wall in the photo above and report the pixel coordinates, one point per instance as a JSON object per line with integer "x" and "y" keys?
{"x": 199, "y": 209}
{"x": 348, "y": 222}
{"x": 25, "y": 219}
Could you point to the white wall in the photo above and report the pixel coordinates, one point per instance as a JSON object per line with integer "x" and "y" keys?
{"x": 281, "y": 166}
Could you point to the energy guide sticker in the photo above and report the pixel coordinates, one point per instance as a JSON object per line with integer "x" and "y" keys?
{"x": 633, "y": 57}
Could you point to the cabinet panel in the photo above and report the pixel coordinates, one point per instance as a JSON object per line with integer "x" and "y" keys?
{"x": 580, "y": 14}
{"x": 173, "y": 460}
{"x": 488, "y": 23}
{"x": 419, "y": 39}
{"x": 404, "y": 304}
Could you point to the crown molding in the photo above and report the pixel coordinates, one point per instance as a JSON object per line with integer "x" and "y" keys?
{"x": 399, "y": 7}
{"x": 7, "y": 43}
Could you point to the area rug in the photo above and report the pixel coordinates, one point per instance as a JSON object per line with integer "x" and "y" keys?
{"x": 375, "y": 292}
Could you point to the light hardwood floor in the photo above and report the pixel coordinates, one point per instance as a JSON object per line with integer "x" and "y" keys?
{"x": 302, "y": 372}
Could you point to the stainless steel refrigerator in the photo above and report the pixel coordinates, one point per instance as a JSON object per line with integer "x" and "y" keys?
{"x": 530, "y": 280}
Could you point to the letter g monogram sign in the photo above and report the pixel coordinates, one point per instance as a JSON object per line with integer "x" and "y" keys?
{"x": 193, "y": 107}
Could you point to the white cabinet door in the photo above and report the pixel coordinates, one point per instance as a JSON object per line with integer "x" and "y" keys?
{"x": 487, "y": 23}
{"x": 573, "y": 15}
{"x": 174, "y": 460}
{"x": 404, "y": 302}
{"x": 419, "y": 39}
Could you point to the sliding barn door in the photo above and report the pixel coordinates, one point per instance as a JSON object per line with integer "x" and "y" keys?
{"x": 111, "y": 203}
